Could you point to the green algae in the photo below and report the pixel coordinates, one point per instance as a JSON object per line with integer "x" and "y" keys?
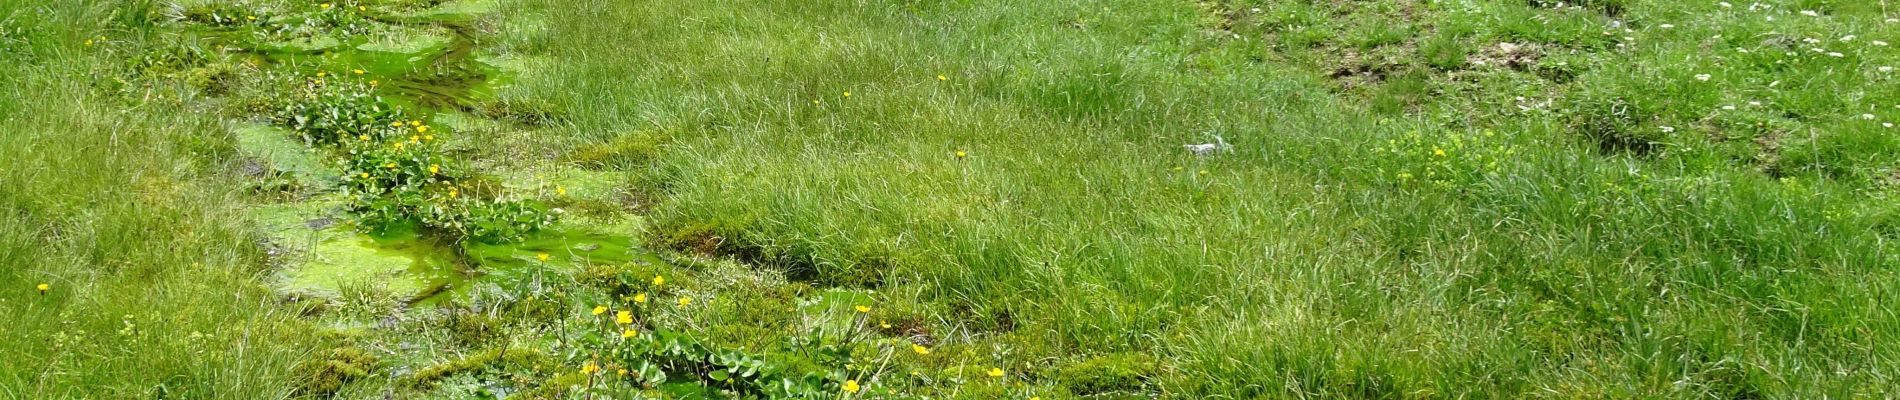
{"x": 424, "y": 61}
{"x": 274, "y": 150}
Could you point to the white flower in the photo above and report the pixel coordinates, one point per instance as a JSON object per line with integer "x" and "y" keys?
{"x": 1755, "y": 103}
{"x": 1725, "y": 4}
{"x": 1848, "y": 38}
{"x": 1728, "y": 108}
{"x": 1703, "y": 77}
{"x": 1668, "y": 26}
{"x": 1810, "y": 13}
{"x": 1888, "y": 125}
{"x": 1668, "y": 129}
{"x": 1893, "y": 20}
{"x": 1774, "y": 84}
{"x": 1810, "y": 40}
{"x": 1880, "y": 43}
{"x": 1886, "y": 69}
{"x": 1835, "y": 54}
{"x": 1629, "y": 39}
{"x": 1868, "y": 117}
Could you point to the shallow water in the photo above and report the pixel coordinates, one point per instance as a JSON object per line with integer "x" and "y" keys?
{"x": 424, "y": 62}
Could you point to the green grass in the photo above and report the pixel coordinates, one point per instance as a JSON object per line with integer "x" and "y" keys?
{"x": 110, "y": 197}
{"x": 1443, "y": 199}
{"x": 1575, "y": 251}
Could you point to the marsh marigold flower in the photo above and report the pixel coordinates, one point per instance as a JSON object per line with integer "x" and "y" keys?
{"x": 640, "y": 298}
{"x": 851, "y": 386}
{"x": 628, "y": 334}
{"x": 624, "y": 317}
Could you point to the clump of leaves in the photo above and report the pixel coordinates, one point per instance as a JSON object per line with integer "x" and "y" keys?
{"x": 396, "y": 170}
{"x": 1442, "y": 159}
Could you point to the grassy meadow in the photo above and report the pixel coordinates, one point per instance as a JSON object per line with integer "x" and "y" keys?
{"x": 982, "y": 199}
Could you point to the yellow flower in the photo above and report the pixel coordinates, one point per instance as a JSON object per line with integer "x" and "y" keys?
{"x": 541, "y": 256}
{"x": 362, "y": 8}
{"x": 390, "y": 165}
{"x": 326, "y": 5}
{"x": 590, "y": 368}
{"x": 863, "y": 309}
{"x": 453, "y": 192}
{"x": 882, "y": 324}
{"x": 88, "y": 42}
{"x": 847, "y": 93}
{"x": 321, "y": 74}
{"x": 428, "y": 137}
{"x": 659, "y": 280}
{"x": 942, "y": 78}
{"x": 622, "y": 372}
{"x": 623, "y": 317}
{"x": 397, "y": 124}
{"x": 961, "y": 154}
{"x": 598, "y": 310}
{"x": 364, "y": 175}
{"x": 920, "y": 349}
{"x": 640, "y": 298}
{"x": 435, "y": 169}
{"x": 851, "y": 386}
{"x": 686, "y": 301}
{"x": 415, "y": 123}
{"x": 44, "y": 287}
{"x": 628, "y": 334}
{"x": 398, "y": 145}
{"x": 373, "y": 82}
{"x": 1203, "y": 172}
{"x": 422, "y": 129}
{"x": 251, "y": 17}
{"x": 358, "y": 72}
{"x": 560, "y": 190}
{"x": 1438, "y": 151}
{"x": 996, "y": 372}
{"x": 362, "y": 137}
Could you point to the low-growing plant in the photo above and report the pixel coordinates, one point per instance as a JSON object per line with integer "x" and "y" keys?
{"x": 396, "y": 171}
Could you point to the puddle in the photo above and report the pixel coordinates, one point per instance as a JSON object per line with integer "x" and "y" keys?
{"x": 425, "y": 62}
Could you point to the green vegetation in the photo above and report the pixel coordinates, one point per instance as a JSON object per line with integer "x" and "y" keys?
{"x": 541, "y": 199}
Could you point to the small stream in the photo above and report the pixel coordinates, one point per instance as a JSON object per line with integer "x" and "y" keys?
{"x": 432, "y": 70}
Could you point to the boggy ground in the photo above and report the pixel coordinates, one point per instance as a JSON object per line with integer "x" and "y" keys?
{"x": 972, "y": 199}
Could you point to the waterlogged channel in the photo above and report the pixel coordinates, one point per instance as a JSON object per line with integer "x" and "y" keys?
{"x": 425, "y": 62}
